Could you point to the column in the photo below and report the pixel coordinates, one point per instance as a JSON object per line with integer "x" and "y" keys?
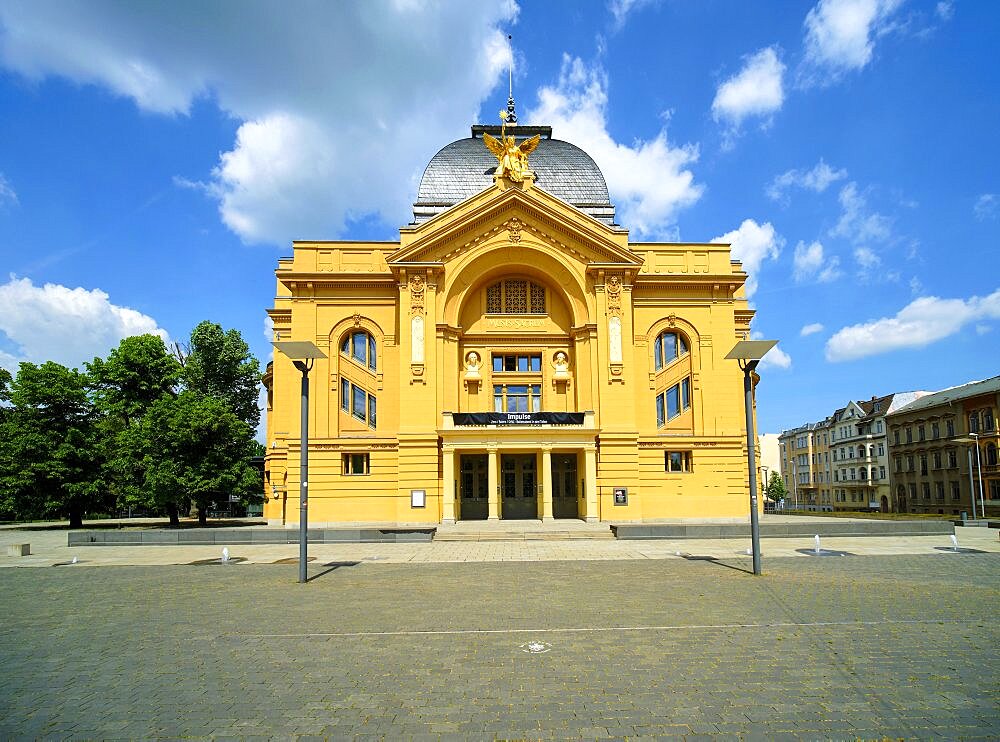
{"x": 448, "y": 496}
{"x": 592, "y": 513}
{"x": 545, "y": 510}
{"x": 492, "y": 486}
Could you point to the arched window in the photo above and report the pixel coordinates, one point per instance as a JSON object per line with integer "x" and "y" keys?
{"x": 515, "y": 296}
{"x": 991, "y": 454}
{"x": 668, "y": 347}
{"x": 360, "y": 347}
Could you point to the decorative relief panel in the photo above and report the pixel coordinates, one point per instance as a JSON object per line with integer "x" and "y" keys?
{"x": 417, "y": 290}
{"x": 614, "y": 289}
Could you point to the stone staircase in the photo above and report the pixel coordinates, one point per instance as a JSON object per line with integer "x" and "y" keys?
{"x": 523, "y": 530}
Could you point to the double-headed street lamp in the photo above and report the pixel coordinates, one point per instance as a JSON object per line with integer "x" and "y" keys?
{"x": 302, "y": 354}
{"x": 749, "y": 353}
{"x": 974, "y": 438}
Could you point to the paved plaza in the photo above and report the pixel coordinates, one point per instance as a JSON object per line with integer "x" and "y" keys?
{"x": 550, "y": 643}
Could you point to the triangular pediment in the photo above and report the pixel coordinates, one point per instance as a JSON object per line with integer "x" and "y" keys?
{"x": 522, "y": 214}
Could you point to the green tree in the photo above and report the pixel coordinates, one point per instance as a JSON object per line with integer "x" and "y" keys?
{"x": 193, "y": 448}
{"x": 219, "y": 364}
{"x": 776, "y": 487}
{"x": 135, "y": 375}
{"x": 51, "y": 463}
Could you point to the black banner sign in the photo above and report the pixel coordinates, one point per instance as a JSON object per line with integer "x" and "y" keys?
{"x": 517, "y": 418}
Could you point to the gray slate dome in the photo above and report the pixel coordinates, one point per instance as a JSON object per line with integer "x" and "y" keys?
{"x": 465, "y": 167}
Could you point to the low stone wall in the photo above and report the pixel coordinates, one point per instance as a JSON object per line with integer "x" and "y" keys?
{"x": 229, "y": 536}
{"x": 785, "y": 530}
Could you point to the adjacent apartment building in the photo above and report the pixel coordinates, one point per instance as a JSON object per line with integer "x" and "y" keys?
{"x": 944, "y": 451}
{"x": 842, "y": 462}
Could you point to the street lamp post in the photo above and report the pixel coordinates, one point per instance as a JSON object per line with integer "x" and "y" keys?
{"x": 763, "y": 486}
{"x": 973, "y": 438}
{"x": 302, "y": 354}
{"x": 749, "y": 353}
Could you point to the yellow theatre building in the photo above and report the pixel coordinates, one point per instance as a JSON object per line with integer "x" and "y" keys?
{"x": 512, "y": 356}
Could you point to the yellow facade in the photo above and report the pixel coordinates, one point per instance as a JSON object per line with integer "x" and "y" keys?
{"x": 512, "y": 300}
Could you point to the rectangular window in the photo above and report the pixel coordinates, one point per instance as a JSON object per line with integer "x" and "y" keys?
{"x": 950, "y": 425}
{"x": 937, "y": 459}
{"x": 685, "y": 393}
{"x": 881, "y": 472}
{"x": 920, "y": 433}
{"x": 661, "y": 416}
{"x": 925, "y": 490}
{"x": 356, "y": 464}
{"x": 517, "y": 363}
{"x": 939, "y": 490}
{"x": 345, "y": 395}
{"x": 878, "y": 426}
{"x": 881, "y": 449}
{"x": 956, "y": 492}
{"x": 952, "y": 460}
{"x": 935, "y": 431}
{"x": 359, "y": 402}
{"x": 673, "y": 395}
{"x": 517, "y": 398}
{"x": 923, "y": 464}
{"x": 371, "y": 411}
{"x": 677, "y": 461}
{"x": 909, "y": 463}
{"x": 974, "y": 422}
{"x": 895, "y": 437}
{"x": 909, "y": 435}
{"x": 988, "y": 420}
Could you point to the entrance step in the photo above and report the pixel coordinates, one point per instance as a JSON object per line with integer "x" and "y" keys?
{"x": 531, "y": 530}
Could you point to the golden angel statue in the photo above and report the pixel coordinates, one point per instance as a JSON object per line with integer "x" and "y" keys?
{"x": 512, "y": 158}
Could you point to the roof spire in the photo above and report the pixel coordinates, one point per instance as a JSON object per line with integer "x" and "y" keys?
{"x": 511, "y": 117}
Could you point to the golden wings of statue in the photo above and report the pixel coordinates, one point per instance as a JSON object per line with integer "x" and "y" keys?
{"x": 512, "y": 157}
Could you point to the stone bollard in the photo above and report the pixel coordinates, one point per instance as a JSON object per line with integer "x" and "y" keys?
{"x": 18, "y": 549}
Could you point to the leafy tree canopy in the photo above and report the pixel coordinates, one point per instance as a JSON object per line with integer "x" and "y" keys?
{"x": 134, "y": 375}
{"x": 219, "y": 364}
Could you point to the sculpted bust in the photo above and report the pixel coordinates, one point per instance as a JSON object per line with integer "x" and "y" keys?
{"x": 561, "y": 364}
{"x": 472, "y": 365}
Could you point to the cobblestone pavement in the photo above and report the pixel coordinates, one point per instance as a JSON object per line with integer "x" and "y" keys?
{"x": 847, "y": 648}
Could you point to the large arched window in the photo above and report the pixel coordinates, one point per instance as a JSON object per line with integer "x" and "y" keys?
{"x": 357, "y": 398}
{"x": 668, "y": 347}
{"x": 515, "y": 296}
{"x": 360, "y": 347}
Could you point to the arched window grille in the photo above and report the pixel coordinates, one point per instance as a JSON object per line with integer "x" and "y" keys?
{"x": 515, "y": 296}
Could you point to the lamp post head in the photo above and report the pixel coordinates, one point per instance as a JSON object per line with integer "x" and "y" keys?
{"x": 299, "y": 350}
{"x": 750, "y": 350}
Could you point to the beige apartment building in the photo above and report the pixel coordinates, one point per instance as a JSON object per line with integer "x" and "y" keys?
{"x": 944, "y": 451}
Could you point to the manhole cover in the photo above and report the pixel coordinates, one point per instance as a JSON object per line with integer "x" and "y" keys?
{"x": 536, "y": 647}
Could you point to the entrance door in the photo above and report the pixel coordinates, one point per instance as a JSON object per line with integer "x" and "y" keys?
{"x": 473, "y": 493}
{"x": 518, "y": 486}
{"x": 564, "y": 503}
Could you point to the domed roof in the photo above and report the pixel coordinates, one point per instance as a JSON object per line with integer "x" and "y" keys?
{"x": 465, "y": 167}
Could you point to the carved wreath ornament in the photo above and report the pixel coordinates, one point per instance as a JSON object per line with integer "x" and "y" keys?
{"x": 514, "y": 227}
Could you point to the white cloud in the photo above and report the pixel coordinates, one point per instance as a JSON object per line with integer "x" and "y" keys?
{"x": 7, "y": 195}
{"x": 756, "y": 90}
{"x": 918, "y": 324}
{"x": 69, "y": 326}
{"x": 809, "y": 262}
{"x": 818, "y": 179}
{"x": 621, "y": 9}
{"x": 340, "y": 104}
{"x": 857, "y": 222}
{"x": 983, "y": 329}
{"x": 987, "y": 206}
{"x": 840, "y": 36}
{"x": 774, "y": 358}
{"x": 649, "y": 181}
{"x": 752, "y": 244}
{"x": 866, "y": 258}
{"x": 945, "y": 10}
{"x": 916, "y": 286}
{"x": 811, "y": 329}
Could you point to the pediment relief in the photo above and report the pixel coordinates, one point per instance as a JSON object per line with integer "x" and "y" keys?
{"x": 516, "y": 218}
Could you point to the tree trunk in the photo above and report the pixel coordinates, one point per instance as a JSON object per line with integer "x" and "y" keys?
{"x": 175, "y": 521}
{"x": 75, "y": 518}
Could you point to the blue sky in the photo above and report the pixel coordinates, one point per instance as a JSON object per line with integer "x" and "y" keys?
{"x": 157, "y": 158}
